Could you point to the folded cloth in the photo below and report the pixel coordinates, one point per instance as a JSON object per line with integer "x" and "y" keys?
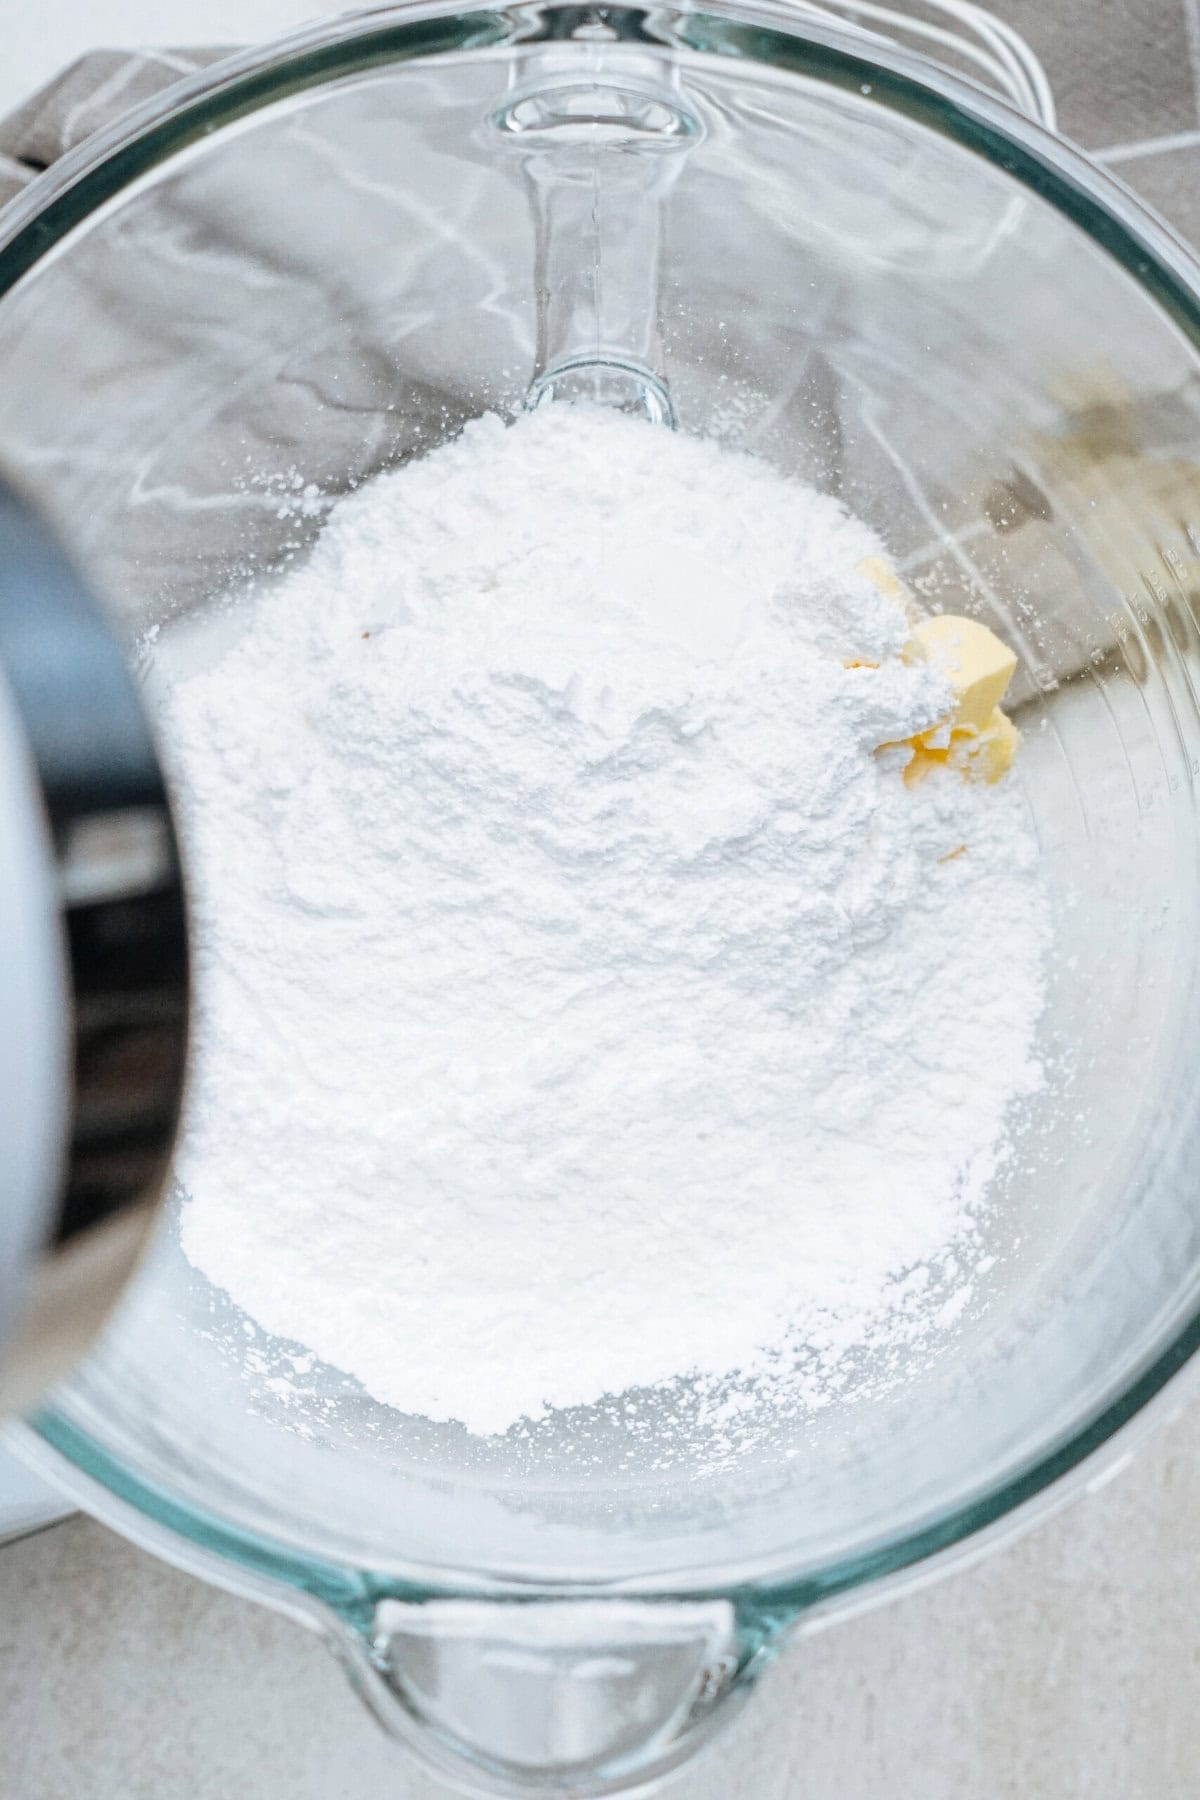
{"x": 90, "y": 93}
{"x": 314, "y": 359}
{"x": 299, "y": 318}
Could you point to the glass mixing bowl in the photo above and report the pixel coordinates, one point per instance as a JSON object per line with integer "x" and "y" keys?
{"x": 318, "y": 258}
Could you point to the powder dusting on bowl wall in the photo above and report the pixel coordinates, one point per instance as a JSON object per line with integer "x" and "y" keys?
{"x": 597, "y": 883}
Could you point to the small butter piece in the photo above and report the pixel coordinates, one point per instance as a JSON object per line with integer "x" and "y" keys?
{"x": 977, "y": 755}
{"x": 988, "y": 755}
{"x": 976, "y": 738}
{"x": 881, "y": 574}
{"x": 937, "y": 737}
{"x": 974, "y": 661}
{"x": 922, "y": 763}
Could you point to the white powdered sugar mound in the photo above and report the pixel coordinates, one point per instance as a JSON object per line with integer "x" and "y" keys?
{"x": 583, "y": 1000}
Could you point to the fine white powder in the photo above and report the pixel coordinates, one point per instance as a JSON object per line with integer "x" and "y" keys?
{"x": 584, "y": 999}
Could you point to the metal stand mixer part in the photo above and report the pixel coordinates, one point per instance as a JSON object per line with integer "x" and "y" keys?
{"x": 93, "y": 951}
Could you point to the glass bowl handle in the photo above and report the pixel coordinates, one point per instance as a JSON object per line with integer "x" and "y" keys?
{"x": 572, "y": 1698}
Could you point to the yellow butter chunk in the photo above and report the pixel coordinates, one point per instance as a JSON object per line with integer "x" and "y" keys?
{"x": 988, "y": 755}
{"x": 975, "y": 738}
{"x": 922, "y": 763}
{"x": 978, "y": 755}
{"x": 882, "y": 575}
{"x": 975, "y": 663}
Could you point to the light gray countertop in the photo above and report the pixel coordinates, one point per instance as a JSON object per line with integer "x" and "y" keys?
{"x": 1065, "y": 1664}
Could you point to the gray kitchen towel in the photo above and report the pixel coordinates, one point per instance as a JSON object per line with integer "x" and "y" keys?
{"x": 90, "y": 93}
{"x": 385, "y": 378}
{"x": 259, "y": 332}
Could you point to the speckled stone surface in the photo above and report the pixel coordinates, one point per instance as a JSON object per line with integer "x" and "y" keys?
{"x": 1066, "y": 1666}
